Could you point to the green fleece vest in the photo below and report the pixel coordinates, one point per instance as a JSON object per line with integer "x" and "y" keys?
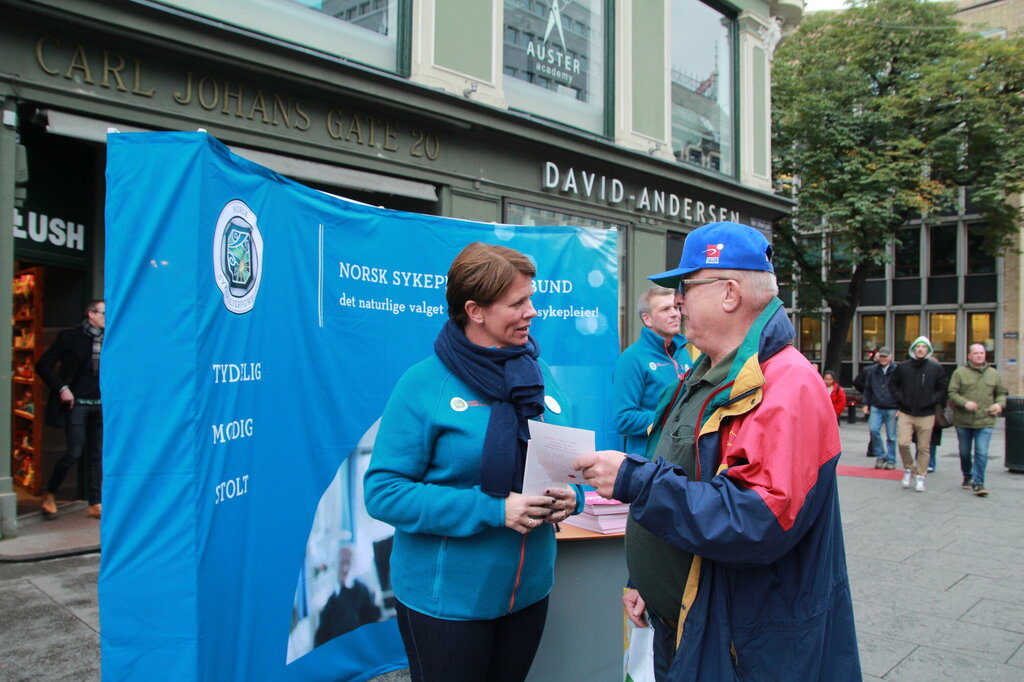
{"x": 657, "y": 569}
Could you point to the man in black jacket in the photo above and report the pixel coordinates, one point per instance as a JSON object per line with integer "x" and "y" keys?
{"x": 919, "y": 384}
{"x": 880, "y": 406}
{"x": 75, "y": 403}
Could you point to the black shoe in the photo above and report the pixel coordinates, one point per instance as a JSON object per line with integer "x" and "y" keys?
{"x": 966, "y": 485}
{"x": 979, "y": 490}
{"x": 879, "y": 463}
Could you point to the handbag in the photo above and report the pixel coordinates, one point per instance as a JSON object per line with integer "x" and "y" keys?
{"x": 943, "y": 415}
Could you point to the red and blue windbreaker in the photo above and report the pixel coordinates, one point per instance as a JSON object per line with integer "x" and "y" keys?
{"x": 768, "y": 597}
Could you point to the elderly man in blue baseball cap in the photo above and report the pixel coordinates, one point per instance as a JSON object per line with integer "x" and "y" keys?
{"x": 734, "y": 542}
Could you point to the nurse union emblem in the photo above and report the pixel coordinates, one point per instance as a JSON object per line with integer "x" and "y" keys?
{"x": 238, "y": 256}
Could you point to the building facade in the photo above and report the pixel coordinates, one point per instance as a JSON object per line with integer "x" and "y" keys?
{"x": 645, "y": 117}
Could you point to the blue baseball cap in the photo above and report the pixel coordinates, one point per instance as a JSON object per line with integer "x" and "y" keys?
{"x": 720, "y": 246}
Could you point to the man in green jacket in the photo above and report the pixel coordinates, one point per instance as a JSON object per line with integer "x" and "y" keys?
{"x": 978, "y": 395}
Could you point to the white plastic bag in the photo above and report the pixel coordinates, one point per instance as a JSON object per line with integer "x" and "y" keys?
{"x": 638, "y": 657}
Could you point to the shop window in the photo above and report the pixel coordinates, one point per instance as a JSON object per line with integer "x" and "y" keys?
{"x": 673, "y": 249}
{"x": 523, "y": 214}
{"x": 906, "y": 328}
{"x": 906, "y": 292}
{"x": 872, "y": 335}
{"x": 908, "y": 253}
{"x": 942, "y": 334}
{"x": 981, "y": 329}
{"x": 365, "y": 32}
{"x": 847, "y": 351}
{"x": 942, "y": 250}
{"x": 978, "y": 262}
{"x": 702, "y": 78}
{"x": 558, "y": 70}
{"x": 810, "y": 338}
{"x": 812, "y": 250}
{"x": 841, "y": 265}
{"x": 873, "y": 292}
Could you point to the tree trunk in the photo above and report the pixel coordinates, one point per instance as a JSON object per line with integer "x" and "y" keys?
{"x": 843, "y": 310}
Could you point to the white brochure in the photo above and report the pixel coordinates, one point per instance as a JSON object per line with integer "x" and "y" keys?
{"x": 550, "y": 454}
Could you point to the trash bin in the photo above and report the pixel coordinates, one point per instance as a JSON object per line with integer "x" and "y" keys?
{"x": 1014, "y": 433}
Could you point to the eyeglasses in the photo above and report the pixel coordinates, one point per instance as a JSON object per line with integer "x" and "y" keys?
{"x": 697, "y": 282}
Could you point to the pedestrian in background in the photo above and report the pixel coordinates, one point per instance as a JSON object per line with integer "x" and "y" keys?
{"x": 880, "y": 407}
{"x": 978, "y": 396}
{"x": 74, "y": 404}
{"x": 918, "y": 384}
{"x": 858, "y": 383}
{"x": 836, "y": 394}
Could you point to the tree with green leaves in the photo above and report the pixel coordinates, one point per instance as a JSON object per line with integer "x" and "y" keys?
{"x": 881, "y": 112}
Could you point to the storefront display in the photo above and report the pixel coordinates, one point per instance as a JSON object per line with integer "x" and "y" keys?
{"x": 26, "y": 387}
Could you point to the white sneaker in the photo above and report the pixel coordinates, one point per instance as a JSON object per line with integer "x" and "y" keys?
{"x": 919, "y": 484}
{"x": 907, "y": 476}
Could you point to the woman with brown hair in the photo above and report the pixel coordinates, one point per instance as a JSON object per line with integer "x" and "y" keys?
{"x": 473, "y": 557}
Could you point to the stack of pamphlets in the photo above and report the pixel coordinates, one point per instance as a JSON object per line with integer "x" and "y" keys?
{"x": 601, "y": 515}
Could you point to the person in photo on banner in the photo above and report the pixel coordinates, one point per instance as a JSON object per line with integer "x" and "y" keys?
{"x": 473, "y": 558}
{"x": 350, "y": 605}
{"x": 734, "y": 541}
{"x": 658, "y": 358}
{"x": 74, "y": 404}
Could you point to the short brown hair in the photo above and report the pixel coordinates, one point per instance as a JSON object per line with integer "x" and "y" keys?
{"x": 482, "y": 273}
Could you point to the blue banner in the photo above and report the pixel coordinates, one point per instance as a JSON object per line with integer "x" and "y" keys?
{"x": 255, "y": 330}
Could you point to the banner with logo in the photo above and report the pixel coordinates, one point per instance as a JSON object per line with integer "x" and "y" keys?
{"x": 255, "y": 330}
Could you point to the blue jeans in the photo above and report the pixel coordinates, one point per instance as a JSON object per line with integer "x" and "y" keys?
{"x": 980, "y": 438}
{"x": 876, "y": 417}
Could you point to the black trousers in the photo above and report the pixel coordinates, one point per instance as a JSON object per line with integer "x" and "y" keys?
{"x": 499, "y": 650}
{"x": 84, "y": 429}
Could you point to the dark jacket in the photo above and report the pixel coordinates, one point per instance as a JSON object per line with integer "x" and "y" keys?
{"x": 919, "y": 385}
{"x": 876, "y": 390}
{"x": 72, "y": 351}
{"x": 348, "y": 609}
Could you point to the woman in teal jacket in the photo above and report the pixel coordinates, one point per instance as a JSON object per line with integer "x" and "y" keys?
{"x": 473, "y": 557}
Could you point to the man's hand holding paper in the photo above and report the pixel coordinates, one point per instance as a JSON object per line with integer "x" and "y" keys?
{"x": 600, "y": 469}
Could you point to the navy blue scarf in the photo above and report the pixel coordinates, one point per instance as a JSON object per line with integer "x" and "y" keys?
{"x": 510, "y": 379}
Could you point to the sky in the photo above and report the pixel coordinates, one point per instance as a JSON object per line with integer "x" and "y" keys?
{"x": 814, "y": 5}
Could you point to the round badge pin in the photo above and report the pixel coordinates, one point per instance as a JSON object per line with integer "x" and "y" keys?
{"x": 552, "y": 404}
{"x": 653, "y": 366}
{"x": 459, "y": 405}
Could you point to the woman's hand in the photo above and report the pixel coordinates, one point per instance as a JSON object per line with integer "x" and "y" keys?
{"x": 562, "y": 504}
{"x": 523, "y": 513}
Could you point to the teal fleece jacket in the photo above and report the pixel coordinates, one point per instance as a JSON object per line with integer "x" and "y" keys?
{"x": 641, "y": 374}
{"x": 453, "y": 557}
